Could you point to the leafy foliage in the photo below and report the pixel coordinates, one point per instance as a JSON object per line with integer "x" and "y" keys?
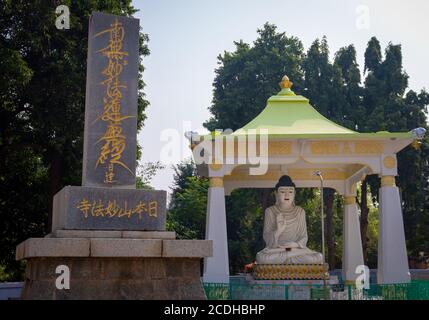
{"x": 187, "y": 209}
{"x": 389, "y": 106}
{"x": 145, "y": 174}
{"x": 42, "y": 95}
{"x": 247, "y": 76}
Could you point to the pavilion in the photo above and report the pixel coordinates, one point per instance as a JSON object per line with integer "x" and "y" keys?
{"x": 290, "y": 137}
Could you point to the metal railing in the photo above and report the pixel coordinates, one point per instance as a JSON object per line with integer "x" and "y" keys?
{"x": 415, "y": 290}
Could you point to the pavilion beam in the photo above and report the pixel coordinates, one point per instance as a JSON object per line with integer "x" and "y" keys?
{"x": 231, "y": 185}
{"x": 357, "y": 177}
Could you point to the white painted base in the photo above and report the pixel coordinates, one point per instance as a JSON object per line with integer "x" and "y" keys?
{"x": 216, "y": 268}
{"x": 352, "y": 246}
{"x": 392, "y": 251}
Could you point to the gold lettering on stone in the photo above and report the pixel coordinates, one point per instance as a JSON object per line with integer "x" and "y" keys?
{"x": 111, "y": 208}
{"x": 114, "y": 140}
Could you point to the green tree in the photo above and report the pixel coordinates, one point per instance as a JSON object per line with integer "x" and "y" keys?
{"x": 389, "y": 106}
{"x": 244, "y": 226}
{"x": 42, "y": 95}
{"x": 354, "y": 111}
{"x": 188, "y": 204}
{"x": 145, "y": 174}
{"x": 323, "y": 82}
{"x": 333, "y": 89}
{"x": 246, "y": 77}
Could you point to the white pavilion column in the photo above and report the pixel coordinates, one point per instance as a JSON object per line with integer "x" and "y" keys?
{"x": 352, "y": 242}
{"x": 216, "y": 268}
{"x": 392, "y": 252}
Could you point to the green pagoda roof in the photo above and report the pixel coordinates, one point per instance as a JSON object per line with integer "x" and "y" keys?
{"x": 291, "y": 116}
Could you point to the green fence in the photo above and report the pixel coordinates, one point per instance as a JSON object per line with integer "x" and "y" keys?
{"x": 416, "y": 290}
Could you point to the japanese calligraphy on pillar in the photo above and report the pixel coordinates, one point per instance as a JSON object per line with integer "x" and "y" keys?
{"x": 111, "y": 102}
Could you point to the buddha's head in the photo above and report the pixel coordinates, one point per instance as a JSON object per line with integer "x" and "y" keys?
{"x": 285, "y": 193}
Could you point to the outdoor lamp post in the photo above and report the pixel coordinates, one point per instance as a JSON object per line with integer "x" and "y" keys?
{"x": 319, "y": 174}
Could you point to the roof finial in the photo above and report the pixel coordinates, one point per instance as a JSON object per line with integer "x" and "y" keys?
{"x": 285, "y": 83}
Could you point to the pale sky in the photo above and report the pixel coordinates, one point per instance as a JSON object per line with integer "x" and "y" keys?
{"x": 186, "y": 37}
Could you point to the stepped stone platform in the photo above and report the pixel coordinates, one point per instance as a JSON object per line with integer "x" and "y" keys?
{"x": 111, "y": 265}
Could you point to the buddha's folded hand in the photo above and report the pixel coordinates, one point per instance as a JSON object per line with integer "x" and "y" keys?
{"x": 290, "y": 245}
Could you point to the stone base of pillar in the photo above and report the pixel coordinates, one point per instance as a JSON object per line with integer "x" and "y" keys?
{"x": 113, "y": 268}
{"x": 115, "y": 279}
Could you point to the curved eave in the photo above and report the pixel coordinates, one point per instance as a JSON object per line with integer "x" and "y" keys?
{"x": 340, "y": 136}
{"x": 285, "y": 115}
{"x": 290, "y": 116}
{"x": 321, "y": 136}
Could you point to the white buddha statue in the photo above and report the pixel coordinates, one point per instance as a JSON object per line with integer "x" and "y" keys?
{"x": 285, "y": 230}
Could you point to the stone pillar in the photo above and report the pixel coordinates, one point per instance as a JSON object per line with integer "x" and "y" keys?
{"x": 352, "y": 246}
{"x": 216, "y": 268}
{"x": 392, "y": 251}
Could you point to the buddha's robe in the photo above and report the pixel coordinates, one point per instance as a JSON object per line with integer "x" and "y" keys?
{"x": 294, "y": 235}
